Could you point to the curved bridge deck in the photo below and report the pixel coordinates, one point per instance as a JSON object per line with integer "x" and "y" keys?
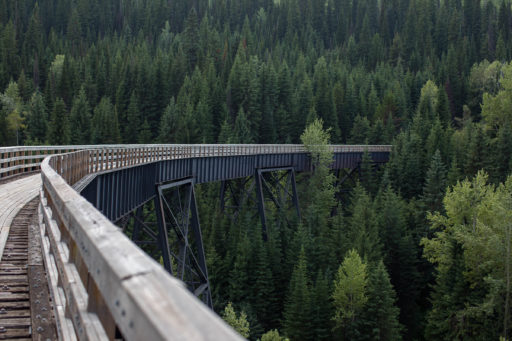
{"x": 101, "y": 285}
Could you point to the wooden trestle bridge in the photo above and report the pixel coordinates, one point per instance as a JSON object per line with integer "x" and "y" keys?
{"x": 74, "y": 241}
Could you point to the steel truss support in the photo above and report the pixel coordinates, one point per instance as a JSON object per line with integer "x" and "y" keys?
{"x": 278, "y": 184}
{"x": 141, "y": 227}
{"x": 182, "y": 251}
{"x": 234, "y": 194}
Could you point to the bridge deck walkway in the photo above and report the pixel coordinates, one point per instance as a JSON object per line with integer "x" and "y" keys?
{"x": 14, "y": 195}
{"x": 25, "y": 306}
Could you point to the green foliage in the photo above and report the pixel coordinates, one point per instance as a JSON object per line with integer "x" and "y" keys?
{"x": 80, "y": 117}
{"x": 59, "y": 128}
{"x": 272, "y": 335}
{"x": 239, "y": 323}
{"x": 297, "y": 310}
{"x": 380, "y": 313}
{"x": 471, "y": 251}
{"x": 496, "y": 109}
{"x": 105, "y": 127}
{"x": 37, "y": 119}
{"x": 350, "y": 292}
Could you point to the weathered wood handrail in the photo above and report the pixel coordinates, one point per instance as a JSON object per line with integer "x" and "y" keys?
{"x": 23, "y": 159}
{"x": 103, "y": 284}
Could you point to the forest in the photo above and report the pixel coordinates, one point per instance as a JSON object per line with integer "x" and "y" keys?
{"x": 419, "y": 249}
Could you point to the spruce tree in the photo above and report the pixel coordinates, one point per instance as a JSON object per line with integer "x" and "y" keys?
{"x": 132, "y": 127}
{"x": 37, "y": 119}
{"x": 380, "y": 316}
{"x": 297, "y": 310}
{"x": 59, "y": 130}
{"x": 435, "y": 184}
{"x": 350, "y": 295}
{"x": 81, "y": 119}
{"x": 105, "y": 127}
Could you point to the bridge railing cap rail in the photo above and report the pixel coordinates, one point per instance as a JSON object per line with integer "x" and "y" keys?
{"x": 144, "y": 300}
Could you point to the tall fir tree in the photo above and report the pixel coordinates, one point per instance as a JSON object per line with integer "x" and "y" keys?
{"x": 59, "y": 132}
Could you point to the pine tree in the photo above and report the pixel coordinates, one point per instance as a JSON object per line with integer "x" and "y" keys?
{"x": 191, "y": 38}
{"x": 131, "y": 131}
{"x": 367, "y": 175}
{"x": 380, "y": 316}
{"x": 144, "y": 133}
{"x": 297, "y": 311}
{"x": 363, "y": 228}
{"x": 350, "y": 295}
{"x": 263, "y": 293}
{"x": 105, "y": 127}
{"x": 59, "y": 130}
{"x": 81, "y": 119}
{"x": 242, "y": 131}
{"x": 435, "y": 184}
{"x": 37, "y": 119}
{"x": 239, "y": 323}
{"x": 321, "y": 310}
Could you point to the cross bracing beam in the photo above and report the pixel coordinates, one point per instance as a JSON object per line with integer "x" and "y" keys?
{"x": 269, "y": 181}
{"x": 183, "y": 253}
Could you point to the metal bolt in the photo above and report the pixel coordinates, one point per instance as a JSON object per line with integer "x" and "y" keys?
{"x": 2, "y": 329}
{"x": 37, "y": 301}
{"x": 40, "y": 329}
{"x": 44, "y": 309}
{"x": 3, "y": 311}
{"x": 44, "y": 320}
{"x": 38, "y": 316}
{"x": 36, "y": 285}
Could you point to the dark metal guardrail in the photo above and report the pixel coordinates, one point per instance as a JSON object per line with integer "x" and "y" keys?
{"x": 103, "y": 285}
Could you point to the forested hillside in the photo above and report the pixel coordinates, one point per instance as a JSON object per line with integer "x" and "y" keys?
{"x": 413, "y": 251}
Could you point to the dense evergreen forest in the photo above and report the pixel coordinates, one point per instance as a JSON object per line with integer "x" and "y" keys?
{"x": 417, "y": 250}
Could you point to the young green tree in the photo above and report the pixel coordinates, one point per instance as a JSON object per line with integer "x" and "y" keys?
{"x": 320, "y": 194}
{"x": 350, "y": 294}
{"x": 472, "y": 254}
{"x": 239, "y": 323}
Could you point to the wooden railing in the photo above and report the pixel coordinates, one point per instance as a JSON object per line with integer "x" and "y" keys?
{"x": 102, "y": 284}
{"x": 18, "y": 160}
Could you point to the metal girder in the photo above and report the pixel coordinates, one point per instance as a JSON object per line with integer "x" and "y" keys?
{"x": 182, "y": 252}
{"x": 234, "y": 194}
{"x": 267, "y": 182}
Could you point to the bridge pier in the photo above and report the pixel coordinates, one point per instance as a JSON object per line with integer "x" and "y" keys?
{"x": 276, "y": 185}
{"x": 184, "y": 257}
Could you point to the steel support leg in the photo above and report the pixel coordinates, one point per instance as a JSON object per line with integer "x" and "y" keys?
{"x": 275, "y": 185}
{"x": 183, "y": 252}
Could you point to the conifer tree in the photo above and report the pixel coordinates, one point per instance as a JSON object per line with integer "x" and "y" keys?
{"x": 144, "y": 133}
{"x": 105, "y": 127}
{"x": 131, "y": 131}
{"x": 350, "y": 295}
{"x": 297, "y": 311}
{"x": 59, "y": 130}
{"x": 380, "y": 316}
{"x": 239, "y": 323}
{"x": 242, "y": 131}
{"x": 37, "y": 119}
{"x": 363, "y": 229}
{"x": 435, "y": 184}
{"x": 81, "y": 119}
